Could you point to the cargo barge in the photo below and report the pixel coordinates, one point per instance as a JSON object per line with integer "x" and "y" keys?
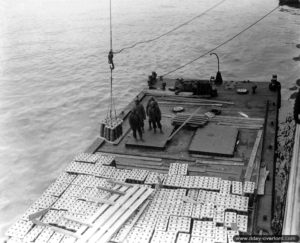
{"x": 207, "y": 177}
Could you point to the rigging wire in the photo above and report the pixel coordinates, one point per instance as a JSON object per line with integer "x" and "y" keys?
{"x": 170, "y": 31}
{"x": 180, "y": 67}
{"x": 110, "y": 25}
{"x": 111, "y": 66}
{"x": 222, "y": 44}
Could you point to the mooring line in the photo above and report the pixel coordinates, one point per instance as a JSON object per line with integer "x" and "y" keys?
{"x": 222, "y": 44}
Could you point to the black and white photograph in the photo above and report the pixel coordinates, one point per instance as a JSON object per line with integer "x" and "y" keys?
{"x": 137, "y": 121}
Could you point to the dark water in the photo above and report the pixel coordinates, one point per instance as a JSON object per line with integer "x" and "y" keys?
{"x": 54, "y": 73}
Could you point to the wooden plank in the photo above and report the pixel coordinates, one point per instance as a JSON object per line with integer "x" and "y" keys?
{"x": 219, "y": 162}
{"x": 74, "y": 219}
{"x": 114, "y": 197}
{"x": 38, "y": 214}
{"x": 101, "y": 210}
{"x": 235, "y": 159}
{"x": 56, "y": 229}
{"x": 158, "y": 155}
{"x": 263, "y": 174}
{"x": 110, "y": 190}
{"x": 63, "y": 231}
{"x": 100, "y": 200}
{"x": 183, "y": 124}
{"x": 256, "y": 127}
{"x": 119, "y": 183}
{"x": 250, "y": 165}
{"x": 40, "y": 223}
{"x": 216, "y": 170}
{"x": 197, "y": 169}
{"x": 111, "y": 227}
{"x": 228, "y": 119}
{"x": 237, "y": 118}
{"x": 137, "y": 162}
{"x": 133, "y": 156}
{"x": 159, "y": 170}
{"x": 111, "y": 231}
{"x": 108, "y": 218}
{"x": 146, "y": 166}
{"x": 153, "y": 140}
{"x": 106, "y": 212}
{"x": 136, "y": 218}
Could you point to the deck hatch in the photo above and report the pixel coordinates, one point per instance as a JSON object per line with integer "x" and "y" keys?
{"x": 214, "y": 140}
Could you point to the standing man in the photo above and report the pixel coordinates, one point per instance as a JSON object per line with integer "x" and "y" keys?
{"x": 141, "y": 112}
{"x": 135, "y": 123}
{"x": 147, "y": 111}
{"x": 154, "y": 114}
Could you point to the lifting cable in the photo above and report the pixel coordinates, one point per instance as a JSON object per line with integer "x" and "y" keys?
{"x": 111, "y": 128}
{"x": 170, "y": 31}
{"x": 111, "y": 66}
{"x": 222, "y": 44}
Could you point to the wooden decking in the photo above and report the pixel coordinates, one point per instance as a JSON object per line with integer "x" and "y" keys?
{"x": 262, "y": 109}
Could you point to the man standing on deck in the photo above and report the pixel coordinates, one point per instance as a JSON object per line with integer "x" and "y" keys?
{"x": 135, "y": 123}
{"x": 154, "y": 114}
{"x": 140, "y": 112}
{"x": 147, "y": 111}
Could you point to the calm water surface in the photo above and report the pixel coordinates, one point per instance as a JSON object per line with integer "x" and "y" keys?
{"x": 54, "y": 72}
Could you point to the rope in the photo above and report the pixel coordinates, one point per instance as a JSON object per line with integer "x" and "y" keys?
{"x": 222, "y": 44}
{"x": 170, "y": 31}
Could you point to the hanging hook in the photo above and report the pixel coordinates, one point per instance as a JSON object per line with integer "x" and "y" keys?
{"x": 110, "y": 59}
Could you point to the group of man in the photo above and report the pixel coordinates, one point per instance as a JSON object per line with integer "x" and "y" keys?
{"x": 138, "y": 115}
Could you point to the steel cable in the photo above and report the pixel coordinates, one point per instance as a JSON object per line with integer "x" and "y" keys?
{"x": 222, "y": 44}
{"x": 170, "y": 31}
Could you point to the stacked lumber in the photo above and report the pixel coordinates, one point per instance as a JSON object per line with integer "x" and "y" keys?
{"x": 201, "y": 120}
{"x": 240, "y": 122}
{"x": 195, "y": 121}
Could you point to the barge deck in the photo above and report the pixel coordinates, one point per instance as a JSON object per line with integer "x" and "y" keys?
{"x": 208, "y": 182}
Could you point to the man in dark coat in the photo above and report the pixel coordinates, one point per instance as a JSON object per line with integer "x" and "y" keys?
{"x": 135, "y": 123}
{"x": 154, "y": 114}
{"x": 147, "y": 111}
{"x": 141, "y": 112}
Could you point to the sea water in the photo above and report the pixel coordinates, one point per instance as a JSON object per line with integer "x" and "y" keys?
{"x": 54, "y": 75}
